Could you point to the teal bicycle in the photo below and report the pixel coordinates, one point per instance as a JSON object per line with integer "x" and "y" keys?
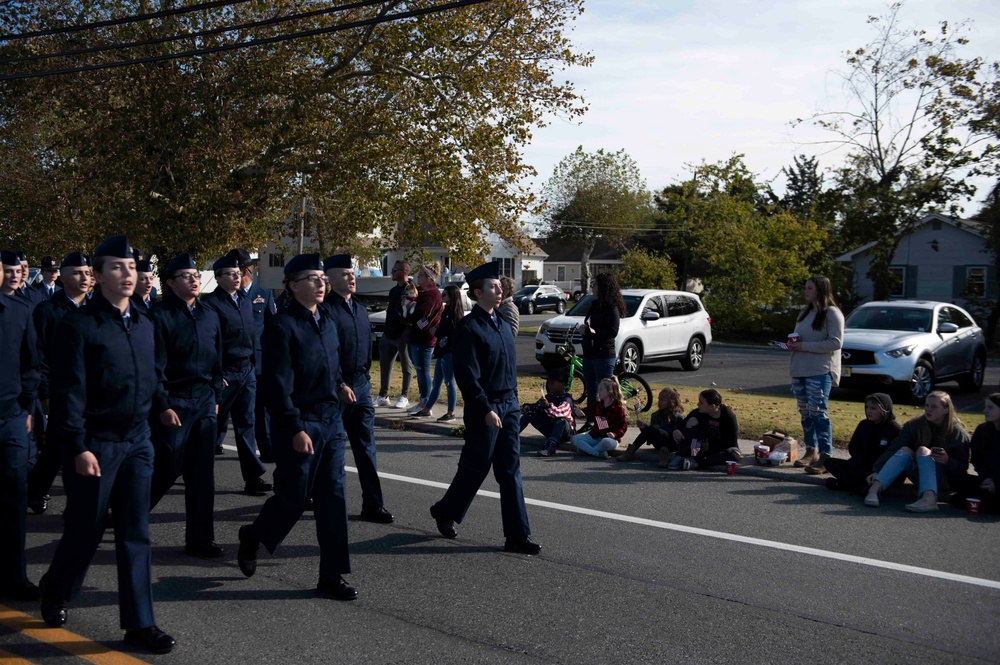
{"x": 636, "y": 391}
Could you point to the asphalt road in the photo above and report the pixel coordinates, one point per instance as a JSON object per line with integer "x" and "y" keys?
{"x": 638, "y": 565}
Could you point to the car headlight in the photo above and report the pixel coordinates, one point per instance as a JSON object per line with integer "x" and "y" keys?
{"x": 544, "y": 327}
{"x": 901, "y": 351}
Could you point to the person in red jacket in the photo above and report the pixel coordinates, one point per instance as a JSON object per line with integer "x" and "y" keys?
{"x": 608, "y": 416}
{"x": 421, "y": 329}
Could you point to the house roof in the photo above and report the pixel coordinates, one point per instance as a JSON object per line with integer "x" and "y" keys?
{"x": 562, "y": 251}
{"x": 971, "y": 225}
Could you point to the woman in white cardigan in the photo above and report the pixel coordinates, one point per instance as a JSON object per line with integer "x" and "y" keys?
{"x": 815, "y": 369}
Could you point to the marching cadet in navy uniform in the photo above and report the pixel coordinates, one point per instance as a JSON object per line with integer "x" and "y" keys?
{"x": 145, "y": 294}
{"x": 18, "y": 382}
{"x": 31, "y": 295}
{"x": 485, "y": 370}
{"x": 358, "y": 412}
{"x": 302, "y": 369}
{"x": 262, "y": 303}
{"x": 102, "y": 384}
{"x": 50, "y": 272}
{"x": 77, "y": 279}
{"x": 189, "y": 366}
{"x": 239, "y": 343}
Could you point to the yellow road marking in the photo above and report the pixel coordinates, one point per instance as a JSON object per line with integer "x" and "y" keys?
{"x": 8, "y": 658}
{"x": 64, "y": 640}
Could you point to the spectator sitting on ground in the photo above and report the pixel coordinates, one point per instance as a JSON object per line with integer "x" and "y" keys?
{"x": 871, "y": 438}
{"x": 552, "y": 415}
{"x": 664, "y": 429}
{"x": 608, "y": 417}
{"x": 508, "y": 310}
{"x": 985, "y": 459}
{"x": 710, "y": 435}
{"x": 930, "y": 450}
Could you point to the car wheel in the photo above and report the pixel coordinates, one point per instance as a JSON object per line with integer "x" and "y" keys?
{"x": 694, "y": 356}
{"x": 921, "y": 382}
{"x": 973, "y": 381}
{"x": 577, "y": 295}
{"x": 530, "y": 307}
{"x": 560, "y": 307}
{"x": 630, "y": 358}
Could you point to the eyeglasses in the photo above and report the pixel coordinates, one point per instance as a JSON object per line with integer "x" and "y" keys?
{"x": 230, "y": 273}
{"x": 187, "y": 276}
{"x": 315, "y": 280}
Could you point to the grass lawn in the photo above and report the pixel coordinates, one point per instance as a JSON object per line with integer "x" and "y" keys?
{"x": 757, "y": 413}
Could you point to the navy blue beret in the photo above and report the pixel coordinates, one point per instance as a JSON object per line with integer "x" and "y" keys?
{"x": 228, "y": 261}
{"x": 75, "y": 260}
{"x": 337, "y": 261}
{"x": 21, "y": 256}
{"x": 144, "y": 266}
{"x": 178, "y": 263}
{"x": 9, "y": 258}
{"x": 117, "y": 247}
{"x": 303, "y": 262}
{"x": 489, "y": 270}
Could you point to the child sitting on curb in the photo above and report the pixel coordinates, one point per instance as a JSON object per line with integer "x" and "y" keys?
{"x": 552, "y": 415}
{"x": 664, "y": 429}
{"x": 710, "y": 434}
{"x": 608, "y": 416}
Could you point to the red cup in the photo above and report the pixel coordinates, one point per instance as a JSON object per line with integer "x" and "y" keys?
{"x": 972, "y": 506}
{"x": 793, "y": 338}
{"x": 761, "y": 452}
{"x": 731, "y": 469}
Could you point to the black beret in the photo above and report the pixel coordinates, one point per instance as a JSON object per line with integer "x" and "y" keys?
{"x": 226, "y": 262}
{"x": 489, "y": 270}
{"x": 303, "y": 262}
{"x": 9, "y": 258}
{"x": 243, "y": 257}
{"x": 337, "y": 261}
{"x": 75, "y": 260}
{"x": 144, "y": 266}
{"x": 117, "y": 247}
{"x": 178, "y": 263}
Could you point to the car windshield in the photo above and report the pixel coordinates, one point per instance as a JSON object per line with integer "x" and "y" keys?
{"x": 582, "y": 308}
{"x": 525, "y": 291}
{"x": 890, "y": 318}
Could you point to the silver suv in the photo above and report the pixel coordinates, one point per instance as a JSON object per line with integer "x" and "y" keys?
{"x": 911, "y": 346}
{"x": 658, "y": 325}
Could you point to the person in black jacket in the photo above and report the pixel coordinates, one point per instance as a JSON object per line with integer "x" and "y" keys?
{"x": 985, "y": 448}
{"x": 302, "y": 367}
{"x": 102, "y": 385}
{"x": 444, "y": 367}
{"x": 599, "y": 330}
{"x": 392, "y": 343}
{"x": 871, "y": 438}
{"x": 189, "y": 369}
{"x": 487, "y": 376}
{"x": 18, "y": 384}
{"x": 239, "y": 343}
{"x": 49, "y": 269}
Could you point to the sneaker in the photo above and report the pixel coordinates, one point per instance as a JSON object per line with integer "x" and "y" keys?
{"x": 415, "y": 410}
{"x": 675, "y": 463}
{"x": 381, "y": 400}
{"x": 447, "y": 418}
{"x": 421, "y": 413}
{"x": 401, "y": 403}
{"x": 923, "y": 505}
{"x": 689, "y": 463}
{"x": 546, "y": 452}
{"x": 871, "y": 500}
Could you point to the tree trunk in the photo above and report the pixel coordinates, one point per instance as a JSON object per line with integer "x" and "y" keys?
{"x": 588, "y": 249}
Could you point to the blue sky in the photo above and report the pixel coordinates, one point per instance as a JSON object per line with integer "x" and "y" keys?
{"x": 675, "y": 83}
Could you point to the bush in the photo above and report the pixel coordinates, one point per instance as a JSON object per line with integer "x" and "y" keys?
{"x": 642, "y": 270}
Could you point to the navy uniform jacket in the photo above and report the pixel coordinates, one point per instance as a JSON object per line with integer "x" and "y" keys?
{"x": 485, "y": 364}
{"x": 44, "y": 292}
{"x": 264, "y": 309}
{"x": 239, "y": 338}
{"x": 46, "y": 316}
{"x": 103, "y": 375}
{"x": 19, "y": 374}
{"x": 30, "y": 296}
{"x": 153, "y": 302}
{"x": 355, "y": 335}
{"x": 301, "y": 366}
{"x": 188, "y": 350}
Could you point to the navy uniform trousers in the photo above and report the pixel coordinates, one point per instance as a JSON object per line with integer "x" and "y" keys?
{"x": 298, "y": 476}
{"x": 238, "y": 400}
{"x": 500, "y": 449}
{"x": 124, "y": 484}
{"x": 359, "y": 421}
{"x": 14, "y": 455}
{"x": 189, "y": 451}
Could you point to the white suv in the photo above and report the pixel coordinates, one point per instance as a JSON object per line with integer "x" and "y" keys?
{"x": 658, "y": 325}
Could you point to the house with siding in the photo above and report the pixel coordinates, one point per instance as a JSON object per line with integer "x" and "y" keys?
{"x": 564, "y": 268}
{"x": 941, "y": 259}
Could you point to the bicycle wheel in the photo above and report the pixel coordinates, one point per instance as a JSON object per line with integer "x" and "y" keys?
{"x": 635, "y": 389}
{"x": 578, "y": 382}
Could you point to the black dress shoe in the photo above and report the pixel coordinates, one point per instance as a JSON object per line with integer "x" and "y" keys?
{"x": 337, "y": 589}
{"x": 209, "y": 551}
{"x": 445, "y": 525}
{"x": 219, "y": 450}
{"x": 526, "y": 546}
{"x": 379, "y": 515}
{"x": 39, "y": 505}
{"x": 23, "y": 591}
{"x": 257, "y": 487}
{"x": 246, "y": 556}
{"x": 151, "y": 638}
{"x": 53, "y": 606}
{"x": 267, "y": 458}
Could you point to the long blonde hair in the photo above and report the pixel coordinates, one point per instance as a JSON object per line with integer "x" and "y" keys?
{"x": 614, "y": 389}
{"x": 922, "y": 428}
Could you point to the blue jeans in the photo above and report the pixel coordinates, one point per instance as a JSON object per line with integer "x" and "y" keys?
{"x": 596, "y": 447}
{"x": 420, "y": 356}
{"x": 444, "y": 372}
{"x": 812, "y": 394}
{"x": 595, "y": 369}
{"x": 923, "y": 471}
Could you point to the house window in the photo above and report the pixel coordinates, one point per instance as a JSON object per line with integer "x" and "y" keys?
{"x": 506, "y": 266}
{"x": 898, "y": 275}
{"x": 561, "y": 274}
{"x": 975, "y": 281}
{"x": 276, "y": 260}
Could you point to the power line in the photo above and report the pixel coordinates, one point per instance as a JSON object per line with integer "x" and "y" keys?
{"x": 254, "y": 42}
{"x": 194, "y": 35}
{"x": 121, "y": 21}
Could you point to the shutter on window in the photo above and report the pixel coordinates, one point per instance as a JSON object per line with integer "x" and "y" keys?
{"x": 958, "y": 281}
{"x": 910, "y": 288}
{"x": 992, "y": 283}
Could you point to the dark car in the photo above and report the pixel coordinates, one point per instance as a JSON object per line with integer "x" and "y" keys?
{"x": 536, "y": 298}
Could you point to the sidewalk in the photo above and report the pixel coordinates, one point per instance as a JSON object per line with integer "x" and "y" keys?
{"x": 531, "y": 441}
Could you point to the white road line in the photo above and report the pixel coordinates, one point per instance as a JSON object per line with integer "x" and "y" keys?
{"x": 720, "y": 535}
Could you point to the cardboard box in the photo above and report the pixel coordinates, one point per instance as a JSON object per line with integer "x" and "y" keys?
{"x": 778, "y": 440}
